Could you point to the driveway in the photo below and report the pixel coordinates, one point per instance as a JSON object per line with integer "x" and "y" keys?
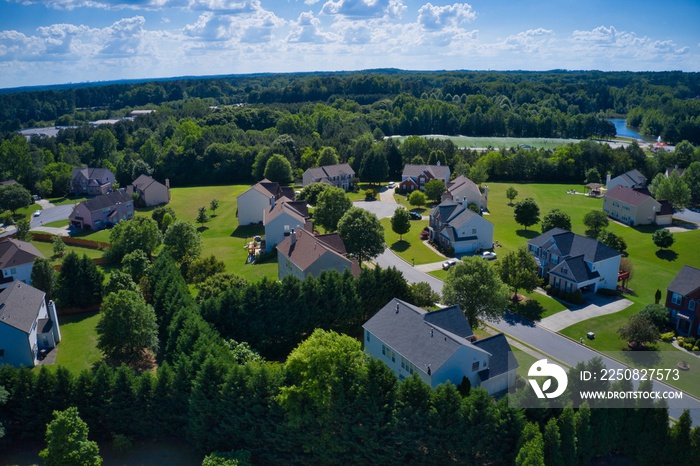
{"x": 52, "y": 214}
{"x": 597, "y": 306}
{"x": 689, "y": 215}
{"x": 379, "y": 208}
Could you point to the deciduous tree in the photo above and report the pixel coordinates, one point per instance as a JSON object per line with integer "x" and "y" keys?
{"x": 23, "y": 233}
{"x": 434, "y": 190}
{"x": 518, "y": 270}
{"x": 596, "y": 221}
{"x": 556, "y": 218}
{"x": 213, "y": 205}
{"x": 14, "y": 196}
{"x": 672, "y": 189}
{"x": 417, "y": 198}
{"x": 374, "y": 167}
{"x": 182, "y": 241}
{"x": 639, "y": 331}
{"x": 527, "y": 212}
{"x": 59, "y": 247}
{"x": 612, "y": 240}
{"x": 663, "y": 238}
{"x": 279, "y": 169}
{"x": 400, "y": 222}
{"x": 327, "y": 156}
{"x": 159, "y": 216}
{"x": 362, "y": 234}
{"x": 202, "y": 216}
{"x": 475, "y": 286}
{"x": 331, "y": 206}
{"x": 67, "y": 441}
{"x": 138, "y": 233}
{"x": 311, "y": 192}
{"x": 511, "y": 194}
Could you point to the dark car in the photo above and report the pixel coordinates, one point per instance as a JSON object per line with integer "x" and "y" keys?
{"x": 415, "y": 215}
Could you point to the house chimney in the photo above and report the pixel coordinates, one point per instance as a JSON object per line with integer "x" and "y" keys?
{"x": 272, "y": 201}
{"x": 464, "y": 202}
{"x": 167, "y": 183}
{"x": 607, "y": 180}
{"x": 486, "y": 192}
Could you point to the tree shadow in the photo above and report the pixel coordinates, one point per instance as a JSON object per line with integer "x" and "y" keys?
{"x": 514, "y": 319}
{"x": 400, "y": 246}
{"x": 529, "y": 309}
{"x": 202, "y": 229}
{"x": 529, "y": 234}
{"x": 667, "y": 254}
{"x": 248, "y": 231}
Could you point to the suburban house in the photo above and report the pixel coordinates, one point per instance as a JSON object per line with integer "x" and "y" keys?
{"x": 340, "y": 175}
{"x": 439, "y": 346}
{"x": 462, "y": 188}
{"x": 683, "y": 301}
{"x": 304, "y": 254}
{"x": 631, "y": 179}
{"x": 676, "y": 169}
{"x": 101, "y": 211}
{"x": 28, "y": 327}
{"x": 415, "y": 176}
{"x": 635, "y": 206}
{"x": 454, "y": 225}
{"x": 91, "y": 181}
{"x": 150, "y": 191}
{"x": 574, "y": 262}
{"x": 16, "y": 261}
{"x": 253, "y": 201}
{"x": 281, "y": 218}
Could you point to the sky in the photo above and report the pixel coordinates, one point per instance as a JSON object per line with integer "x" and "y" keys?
{"x": 63, "y": 41}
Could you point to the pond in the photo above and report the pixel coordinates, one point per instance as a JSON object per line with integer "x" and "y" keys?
{"x": 625, "y": 131}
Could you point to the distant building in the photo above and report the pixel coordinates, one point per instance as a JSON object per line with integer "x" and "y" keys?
{"x": 635, "y": 206}
{"x": 254, "y": 200}
{"x": 416, "y": 176}
{"x": 101, "y": 211}
{"x": 454, "y": 225}
{"x": 462, "y": 188}
{"x": 150, "y": 191}
{"x": 91, "y": 181}
{"x": 439, "y": 347}
{"x": 340, "y": 175}
{"x": 631, "y": 179}
{"x": 304, "y": 254}
{"x": 16, "y": 261}
{"x": 27, "y": 325}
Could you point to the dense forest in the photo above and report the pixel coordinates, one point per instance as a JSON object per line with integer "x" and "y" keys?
{"x": 224, "y": 130}
{"x": 327, "y": 403}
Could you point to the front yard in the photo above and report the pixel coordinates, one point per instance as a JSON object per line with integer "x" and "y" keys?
{"x": 411, "y": 247}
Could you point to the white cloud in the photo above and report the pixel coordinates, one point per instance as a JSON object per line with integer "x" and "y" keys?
{"x": 433, "y": 18}
{"x": 307, "y": 28}
{"x": 624, "y": 45}
{"x": 528, "y": 41}
{"x": 364, "y": 8}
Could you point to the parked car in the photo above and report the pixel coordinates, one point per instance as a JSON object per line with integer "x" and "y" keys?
{"x": 448, "y": 263}
{"x": 415, "y": 215}
{"x": 37, "y": 213}
{"x": 391, "y": 184}
{"x": 488, "y": 255}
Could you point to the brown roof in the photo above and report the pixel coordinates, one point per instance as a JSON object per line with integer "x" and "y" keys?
{"x": 628, "y": 195}
{"x": 462, "y": 181}
{"x": 144, "y": 181}
{"x": 14, "y": 252}
{"x": 308, "y": 248}
{"x": 297, "y": 210}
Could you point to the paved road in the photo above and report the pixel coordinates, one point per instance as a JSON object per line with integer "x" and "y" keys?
{"x": 52, "y": 214}
{"x": 411, "y": 274}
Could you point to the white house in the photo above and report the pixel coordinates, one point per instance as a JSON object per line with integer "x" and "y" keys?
{"x": 631, "y": 179}
{"x": 340, "y": 175}
{"x": 454, "y": 225}
{"x": 281, "y": 218}
{"x": 150, "y": 191}
{"x": 253, "y": 201}
{"x": 462, "y": 188}
{"x": 16, "y": 261}
{"x": 439, "y": 346}
{"x": 304, "y": 254}
{"x": 27, "y": 325}
{"x": 574, "y": 262}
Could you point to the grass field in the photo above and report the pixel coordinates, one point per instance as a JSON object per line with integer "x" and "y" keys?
{"x": 412, "y": 247}
{"x": 78, "y": 347}
{"x": 497, "y": 143}
{"x": 47, "y": 250}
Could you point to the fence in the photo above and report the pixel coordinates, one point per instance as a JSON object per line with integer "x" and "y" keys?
{"x": 80, "y": 242}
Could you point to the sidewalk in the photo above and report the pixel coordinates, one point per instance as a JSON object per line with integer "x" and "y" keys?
{"x": 597, "y": 306}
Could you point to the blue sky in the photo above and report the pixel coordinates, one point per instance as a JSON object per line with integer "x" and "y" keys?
{"x": 60, "y": 41}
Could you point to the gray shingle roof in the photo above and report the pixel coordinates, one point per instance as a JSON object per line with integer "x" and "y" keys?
{"x": 502, "y": 359}
{"x": 462, "y": 182}
{"x": 574, "y": 269}
{"x": 14, "y": 252}
{"x": 104, "y": 201}
{"x": 686, "y": 282}
{"x": 571, "y": 245}
{"x": 144, "y": 181}
{"x": 332, "y": 170}
{"x": 19, "y": 306}
{"x": 438, "y": 171}
{"x": 417, "y": 338}
{"x": 308, "y": 248}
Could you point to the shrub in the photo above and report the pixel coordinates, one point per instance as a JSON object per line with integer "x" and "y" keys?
{"x": 369, "y": 195}
{"x": 607, "y": 292}
{"x": 696, "y": 348}
{"x": 680, "y": 340}
{"x": 554, "y": 292}
{"x": 568, "y": 297}
{"x": 667, "y": 337}
{"x": 690, "y": 340}
{"x": 688, "y": 346}
{"x": 577, "y": 297}
{"x": 548, "y": 289}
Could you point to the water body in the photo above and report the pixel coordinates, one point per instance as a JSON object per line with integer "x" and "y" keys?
{"x": 625, "y": 131}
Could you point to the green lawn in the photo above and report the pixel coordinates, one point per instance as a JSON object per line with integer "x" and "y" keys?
{"x": 412, "y": 247}
{"x": 47, "y": 250}
{"x": 57, "y": 224}
{"x": 524, "y": 359}
{"x": 78, "y": 347}
{"x": 403, "y": 200}
{"x": 67, "y": 200}
{"x": 498, "y": 142}
{"x": 362, "y": 187}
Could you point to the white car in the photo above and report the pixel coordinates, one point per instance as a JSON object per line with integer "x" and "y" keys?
{"x": 391, "y": 184}
{"x": 488, "y": 255}
{"x": 37, "y": 213}
{"x": 448, "y": 263}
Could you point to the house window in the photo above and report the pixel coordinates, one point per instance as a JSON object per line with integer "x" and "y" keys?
{"x": 475, "y": 366}
{"x": 473, "y": 231}
{"x": 367, "y": 336}
{"x": 691, "y": 305}
{"x": 553, "y": 258}
{"x": 13, "y": 271}
{"x": 563, "y": 270}
{"x": 383, "y": 350}
{"x": 568, "y": 287}
{"x": 677, "y": 299}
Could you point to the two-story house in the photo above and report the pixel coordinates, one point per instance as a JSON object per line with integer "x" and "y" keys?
{"x": 631, "y": 179}
{"x": 16, "y": 261}
{"x": 416, "y": 176}
{"x": 101, "y": 211}
{"x": 340, "y": 175}
{"x": 454, "y": 225}
{"x": 91, "y": 181}
{"x": 573, "y": 262}
{"x": 281, "y": 218}
{"x": 150, "y": 191}
{"x": 635, "y": 206}
{"x": 254, "y": 200}
{"x": 28, "y": 326}
{"x": 438, "y": 346}
{"x": 304, "y": 254}
{"x": 462, "y": 188}
{"x": 683, "y": 301}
